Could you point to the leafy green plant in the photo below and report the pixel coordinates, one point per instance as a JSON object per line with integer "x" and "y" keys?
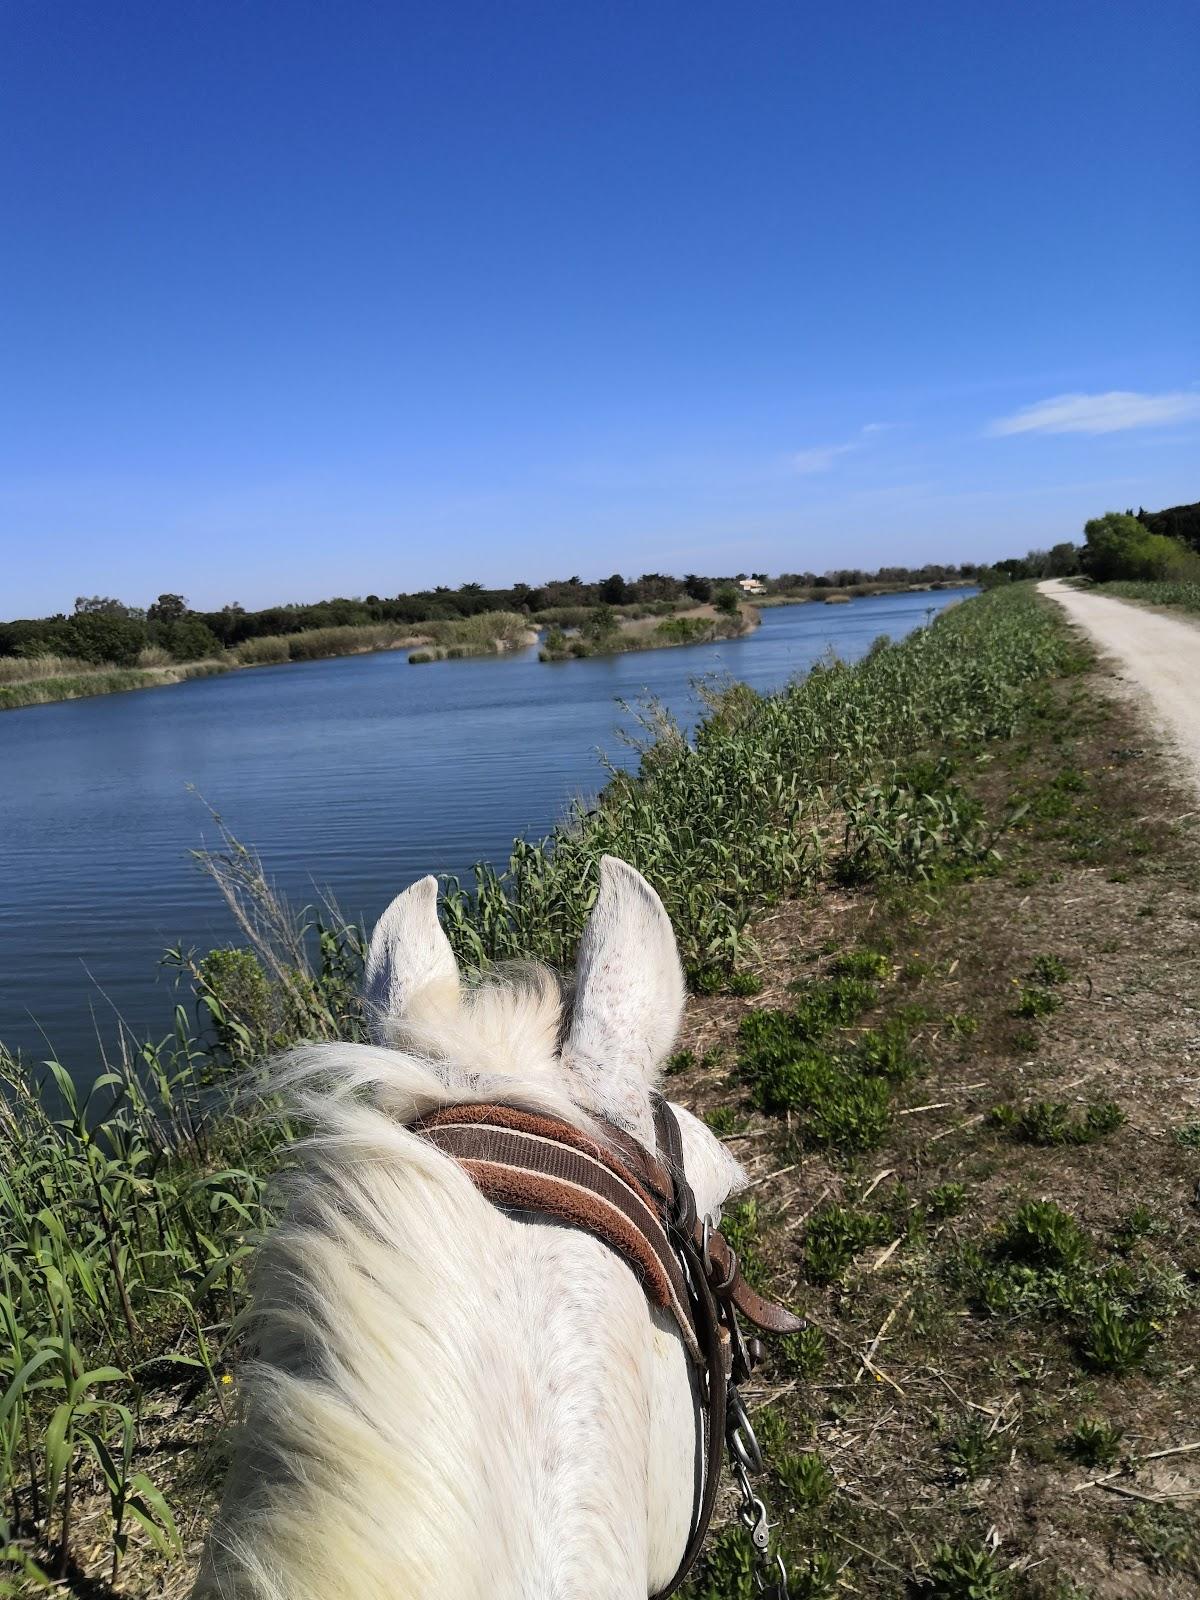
{"x": 1049, "y": 970}
{"x": 1035, "y": 1002}
{"x": 1094, "y": 1442}
{"x": 1113, "y": 1341}
{"x": 945, "y": 1200}
{"x": 873, "y": 965}
{"x": 806, "y": 1479}
{"x": 1041, "y": 1234}
{"x": 970, "y": 1450}
{"x": 1052, "y": 1122}
{"x": 836, "y": 1234}
{"x": 965, "y": 1571}
{"x": 802, "y": 1355}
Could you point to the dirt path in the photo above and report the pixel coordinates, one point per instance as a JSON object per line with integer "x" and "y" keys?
{"x": 1159, "y": 657}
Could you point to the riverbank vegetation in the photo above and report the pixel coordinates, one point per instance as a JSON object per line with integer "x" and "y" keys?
{"x": 910, "y": 895}
{"x": 604, "y": 632}
{"x": 1179, "y": 596}
{"x": 66, "y": 655}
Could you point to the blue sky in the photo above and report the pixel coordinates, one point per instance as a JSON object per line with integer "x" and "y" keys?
{"x": 301, "y": 299}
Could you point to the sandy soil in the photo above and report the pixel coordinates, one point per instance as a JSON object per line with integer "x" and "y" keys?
{"x": 1158, "y": 657}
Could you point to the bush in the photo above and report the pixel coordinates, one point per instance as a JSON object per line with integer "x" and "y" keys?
{"x": 1122, "y": 547}
{"x": 189, "y": 639}
{"x": 103, "y": 637}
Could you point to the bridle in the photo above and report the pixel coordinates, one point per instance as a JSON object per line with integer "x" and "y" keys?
{"x": 642, "y": 1206}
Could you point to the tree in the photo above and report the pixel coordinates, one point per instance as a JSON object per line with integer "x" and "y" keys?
{"x": 1119, "y": 546}
{"x": 699, "y": 588}
{"x": 106, "y": 638}
{"x": 727, "y": 602}
{"x": 167, "y": 608}
{"x": 88, "y": 605}
{"x": 189, "y": 639}
{"x": 614, "y": 591}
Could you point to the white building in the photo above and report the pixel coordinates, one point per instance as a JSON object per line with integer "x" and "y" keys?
{"x": 751, "y": 586}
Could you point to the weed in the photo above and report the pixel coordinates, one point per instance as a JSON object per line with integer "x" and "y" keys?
{"x": 1049, "y": 970}
{"x": 1051, "y": 1122}
{"x": 1035, "y": 1002}
{"x": 870, "y": 964}
{"x": 724, "y": 1120}
{"x": 945, "y": 1200}
{"x": 745, "y": 983}
{"x": 836, "y": 1234}
{"x": 806, "y": 1479}
{"x": 884, "y": 1052}
{"x": 1167, "y": 1538}
{"x": 1188, "y": 1135}
{"x": 1094, "y": 1443}
{"x": 1112, "y": 1341}
{"x": 961, "y": 1024}
{"x": 802, "y": 1355}
{"x": 1041, "y": 1234}
{"x": 970, "y": 1451}
{"x": 681, "y": 1061}
{"x": 965, "y": 1571}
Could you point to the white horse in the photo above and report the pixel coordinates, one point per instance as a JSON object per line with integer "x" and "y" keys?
{"x": 447, "y": 1401}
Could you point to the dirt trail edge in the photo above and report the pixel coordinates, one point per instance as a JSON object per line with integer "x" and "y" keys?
{"x": 1158, "y": 655}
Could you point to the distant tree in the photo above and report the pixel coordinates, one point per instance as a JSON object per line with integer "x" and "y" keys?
{"x": 614, "y": 591}
{"x": 235, "y": 608}
{"x": 87, "y": 605}
{"x": 189, "y": 639}
{"x": 727, "y": 602}
{"x": 1062, "y": 560}
{"x": 1119, "y": 546}
{"x": 700, "y": 589}
{"x": 167, "y": 608}
{"x": 105, "y": 637}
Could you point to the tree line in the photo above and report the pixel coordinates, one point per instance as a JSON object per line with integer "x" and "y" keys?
{"x": 1141, "y": 545}
{"x": 103, "y": 629}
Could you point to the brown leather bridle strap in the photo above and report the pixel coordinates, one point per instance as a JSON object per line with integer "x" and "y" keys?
{"x": 523, "y": 1161}
{"x": 642, "y": 1206}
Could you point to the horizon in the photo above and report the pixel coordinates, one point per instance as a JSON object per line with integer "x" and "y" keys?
{"x": 376, "y": 302}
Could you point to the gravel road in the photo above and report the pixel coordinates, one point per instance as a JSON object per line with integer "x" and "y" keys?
{"x": 1157, "y": 655}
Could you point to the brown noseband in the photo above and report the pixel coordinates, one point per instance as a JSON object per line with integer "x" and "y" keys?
{"x": 641, "y": 1205}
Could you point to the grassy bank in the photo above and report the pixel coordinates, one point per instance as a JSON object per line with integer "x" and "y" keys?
{"x": 1177, "y": 595}
{"x": 41, "y": 680}
{"x": 77, "y": 685}
{"x": 889, "y": 854}
{"x": 607, "y": 633}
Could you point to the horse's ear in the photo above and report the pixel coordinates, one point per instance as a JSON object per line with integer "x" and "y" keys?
{"x": 628, "y": 998}
{"x": 408, "y": 952}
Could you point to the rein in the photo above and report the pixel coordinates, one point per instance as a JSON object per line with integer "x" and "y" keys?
{"x": 642, "y": 1206}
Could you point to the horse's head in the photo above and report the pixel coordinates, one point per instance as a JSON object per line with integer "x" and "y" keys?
{"x": 601, "y": 1053}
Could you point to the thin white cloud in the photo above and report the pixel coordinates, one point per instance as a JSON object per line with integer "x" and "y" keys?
{"x": 1100, "y": 413}
{"x": 819, "y": 458}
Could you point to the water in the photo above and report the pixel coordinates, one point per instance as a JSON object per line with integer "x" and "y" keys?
{"x": 358, "y": 774}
